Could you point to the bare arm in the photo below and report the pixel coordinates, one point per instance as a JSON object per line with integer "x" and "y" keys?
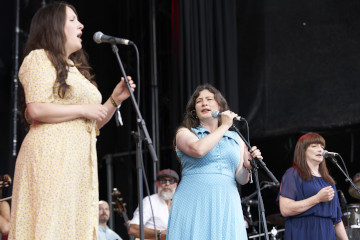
{"x": 289, "y": 207}
{"x": 149, "y": 233}
{"x": 102, "y": 113}
{"x": 340, "y": 231}
{"x": 55, "y": 113}
{"x": 119, "y": 94}
{"x": 110, "y": 110}
{"x": 189, "y": 143}
{"x": 242, "y": 173}
{"x": 4, "y": 217}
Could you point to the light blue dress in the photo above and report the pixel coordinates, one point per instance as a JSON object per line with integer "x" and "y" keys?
{"x": 206, "y": 204}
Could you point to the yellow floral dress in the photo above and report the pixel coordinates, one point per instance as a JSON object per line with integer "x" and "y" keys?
{"x": 55, "y": 191}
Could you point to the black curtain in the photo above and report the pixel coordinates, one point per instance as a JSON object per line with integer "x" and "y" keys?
{"x": 312, "y": 65}
{"x": 286, "y": 66}
{"x": 221, "y": 43}
{"x": 207, "y": 50}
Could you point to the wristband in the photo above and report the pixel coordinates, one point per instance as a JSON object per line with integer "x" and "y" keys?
{"x": 118, "y": 117}
{"x": 246, "y": 168}
{"x": 113, "y": 101}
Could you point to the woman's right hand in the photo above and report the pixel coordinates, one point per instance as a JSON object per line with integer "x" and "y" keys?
{"x": 96, "y": 112}
{"x": 227, "y": 118}
{"x": 290, "y": 207}
{"x": 326, "y": 194}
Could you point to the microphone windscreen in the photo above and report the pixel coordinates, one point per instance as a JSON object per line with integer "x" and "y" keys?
{"x": 97, "y": 37}
{"x": 215, "y": 114}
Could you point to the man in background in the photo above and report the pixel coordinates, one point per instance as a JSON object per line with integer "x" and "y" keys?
{"x": 105, "y": 233}
{"x": 166, "y": 182}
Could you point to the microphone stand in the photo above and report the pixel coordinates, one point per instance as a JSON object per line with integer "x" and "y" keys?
{"x": 141, "y": 134}
{"x": 247, "y": 201}
{"x": 248, "y": 198}
{"x": 254, "y": 163}
{"x": 260, "y": 200}
{"x": 346, "y": 175}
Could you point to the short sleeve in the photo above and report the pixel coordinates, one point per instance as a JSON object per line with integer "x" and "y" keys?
{"x": 289, "y": 184}
{"x": 37, "y": 76}
{"x": 146, "y": 213}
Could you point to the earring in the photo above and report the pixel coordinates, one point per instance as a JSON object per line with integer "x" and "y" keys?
{"x": 193, "y": 114}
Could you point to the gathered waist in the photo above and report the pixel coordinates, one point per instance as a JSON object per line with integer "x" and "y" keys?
{"x": 212, "y": 177}
{"x": 79, "y": 123}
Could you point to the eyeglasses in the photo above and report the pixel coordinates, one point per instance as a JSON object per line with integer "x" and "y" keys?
{"x": 163, "y": 181}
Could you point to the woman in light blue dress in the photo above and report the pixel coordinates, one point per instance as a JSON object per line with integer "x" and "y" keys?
{"x": 207, "y": 204}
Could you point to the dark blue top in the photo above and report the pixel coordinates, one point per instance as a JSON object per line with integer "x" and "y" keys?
{"x": 317, "y": 222}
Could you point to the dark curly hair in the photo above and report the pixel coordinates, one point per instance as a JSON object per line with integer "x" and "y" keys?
{"x": 190, "y": 119}
{"x": 47, "y": 32}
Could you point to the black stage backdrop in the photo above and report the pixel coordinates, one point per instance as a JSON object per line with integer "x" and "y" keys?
{"x": 288, "y": 67}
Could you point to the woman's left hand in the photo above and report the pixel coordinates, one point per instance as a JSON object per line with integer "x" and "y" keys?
{"x": 121, "y": 91}
{"x": 256, "y": 153}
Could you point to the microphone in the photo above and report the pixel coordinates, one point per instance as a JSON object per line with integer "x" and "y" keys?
{"x": 327, "y": 154}
{"x": 99, "y": 37}
{"x": 217, "y": 114}
{"x": 342, "y": 198}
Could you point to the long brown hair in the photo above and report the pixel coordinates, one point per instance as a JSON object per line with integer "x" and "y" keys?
{"x": 300, "y": 157}
{"x": 47, "y": 32}
{"x": 190, "y": 119}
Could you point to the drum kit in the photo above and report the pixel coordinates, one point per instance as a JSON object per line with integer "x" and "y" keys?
{"x": 276, "y": 221}
{"x": 351, "y": 215}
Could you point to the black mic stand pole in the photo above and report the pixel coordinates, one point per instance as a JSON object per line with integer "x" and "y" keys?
{"x": 142, "y": 134}
{"x": 346, "y": 175}
{"x": 260, "y": 200}
{"x": 258, "y": 161}
{"x": 254, "y": 164}
{"x": 246, "y": 200}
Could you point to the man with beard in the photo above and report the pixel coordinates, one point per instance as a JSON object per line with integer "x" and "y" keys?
{"x": 105, "y": 233}
{"x": 166, "y": 182}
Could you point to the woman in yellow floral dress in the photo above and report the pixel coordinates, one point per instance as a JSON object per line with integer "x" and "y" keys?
{"x": 55, "y": 192}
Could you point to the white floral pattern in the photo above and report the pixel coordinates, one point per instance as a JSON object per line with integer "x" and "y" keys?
{"x": 55, "y": 191}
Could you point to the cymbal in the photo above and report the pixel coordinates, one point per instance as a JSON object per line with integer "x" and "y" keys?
{"x": 275, "y": 219}
{"x": 353, "y": 192}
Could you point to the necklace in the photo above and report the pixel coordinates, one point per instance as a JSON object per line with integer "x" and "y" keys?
{"x": 315, "y": 174}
